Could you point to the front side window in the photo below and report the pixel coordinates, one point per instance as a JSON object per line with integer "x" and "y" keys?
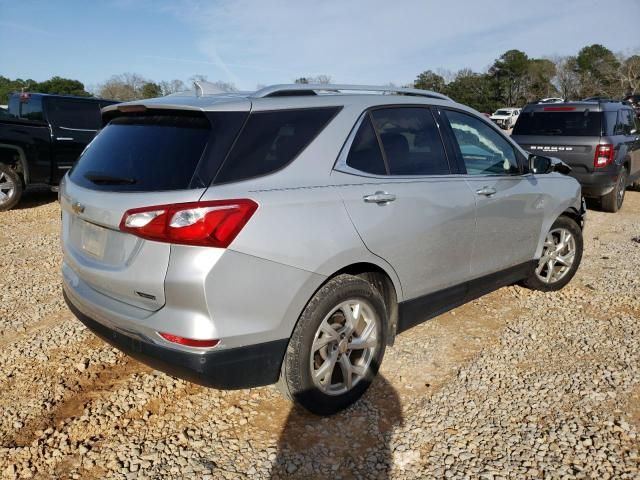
{"x": 411, "y": 141}
{"x": 483, "y": 150}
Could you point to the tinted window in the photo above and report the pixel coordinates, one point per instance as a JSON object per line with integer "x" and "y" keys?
{"x": 143, "y": 154}
{"x": 627, "y": 121}
{"x": 484, "y": 151}
{"x": 271, "y": 140}
{"x": 77, "y": 114}
{"x": 579, "y": 124}
{"x": 27, "y": 108}
{"x": 611, "y": 122}
{"x": 365, "y": 154}
{"x": 411, "y": 141}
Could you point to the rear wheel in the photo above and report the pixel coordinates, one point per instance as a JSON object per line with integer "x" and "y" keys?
{"x": 612, "y": 201}
{"x": 337, "y": 346}
{"x": 561, "y": 256}
{"x": 10, "y": 187}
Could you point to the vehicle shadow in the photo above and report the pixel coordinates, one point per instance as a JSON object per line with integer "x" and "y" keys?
{"x": 35, "y": 197}
{"x": 351, "y": 444}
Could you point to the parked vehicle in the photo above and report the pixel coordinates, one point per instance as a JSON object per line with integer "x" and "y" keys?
{"x": 288, "y": 235}
{"x": 506, "y": 118}
{"x": 41, "y": 136}
{"x": 599, "y": 140}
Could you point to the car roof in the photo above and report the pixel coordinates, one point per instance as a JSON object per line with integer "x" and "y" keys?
{"x": 578, "y": 106}
{"x": 73, "y": 97}
{"x": 280, "y": 97}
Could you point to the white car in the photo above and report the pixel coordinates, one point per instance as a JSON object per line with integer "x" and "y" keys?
{"x": 505, "y": 118}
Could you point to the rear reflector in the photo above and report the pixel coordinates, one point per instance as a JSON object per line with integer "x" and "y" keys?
{"x": 189, "y": 342}
{"x": 559, "y": 109}
{"x": 603, "y": 156}
{"x": 209, "y": 224}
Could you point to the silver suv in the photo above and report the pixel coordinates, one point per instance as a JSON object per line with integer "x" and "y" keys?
{"x": 287, "y": 235}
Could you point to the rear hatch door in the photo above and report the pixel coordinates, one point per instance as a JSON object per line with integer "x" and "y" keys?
{"x": 565, "y": 132}
{"x": 138, "y": 160}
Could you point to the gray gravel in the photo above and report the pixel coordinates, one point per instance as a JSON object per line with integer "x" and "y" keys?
{"x": 517, "y": 384}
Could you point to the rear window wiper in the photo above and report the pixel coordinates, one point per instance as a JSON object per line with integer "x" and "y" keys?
{"x": 553, "y": 131}
{"x": 105, "y": 179}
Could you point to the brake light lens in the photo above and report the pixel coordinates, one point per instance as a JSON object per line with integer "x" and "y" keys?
{"x": 210, "y": 224}
{"x": 559, "y": 109}
{"x": 189, "y": 342}
{"x": 603, "y": 156}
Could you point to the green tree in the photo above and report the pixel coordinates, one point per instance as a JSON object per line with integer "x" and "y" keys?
{"x": 540, "y": 73}
{"x": 62, "y": 86}
{"x": 509, "y": 73}
{"x": 597, "y": 68}
{"x": 473, "y": 89}
{"x": 150, "y": 90}
{"x": 429, "y": 80}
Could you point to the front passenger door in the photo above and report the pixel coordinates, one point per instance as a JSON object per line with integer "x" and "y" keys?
{"x": 509, "y": 206}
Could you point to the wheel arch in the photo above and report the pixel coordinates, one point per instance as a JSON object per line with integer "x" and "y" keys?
{"x": 8, "y": 149}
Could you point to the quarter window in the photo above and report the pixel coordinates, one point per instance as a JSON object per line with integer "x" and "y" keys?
{"x": 365, "y": 154}
{"x": 411, "y": 141}
{"x": 484, "y": 151}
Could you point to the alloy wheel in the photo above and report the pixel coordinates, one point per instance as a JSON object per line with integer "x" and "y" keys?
{"x": 558, "y": 255}
{"x": 7, "y": 188}
{"x": 344, "y": 346}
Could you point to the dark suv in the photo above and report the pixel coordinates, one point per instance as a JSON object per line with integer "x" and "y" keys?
{"x": 600, "y": 140}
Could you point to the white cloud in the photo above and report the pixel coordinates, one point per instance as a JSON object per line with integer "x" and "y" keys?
{"x": 363, "y": 41}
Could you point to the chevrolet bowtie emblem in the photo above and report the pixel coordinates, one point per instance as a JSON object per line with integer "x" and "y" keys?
{"x": 77, "y": 207}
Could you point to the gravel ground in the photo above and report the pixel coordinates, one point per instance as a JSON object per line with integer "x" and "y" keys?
{"x": 516, "y": 384}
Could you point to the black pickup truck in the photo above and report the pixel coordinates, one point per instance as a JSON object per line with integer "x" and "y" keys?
{"x": 41, "y": 137}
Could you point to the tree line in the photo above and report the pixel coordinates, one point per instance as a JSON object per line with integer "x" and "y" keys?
{"x": 513, "y": 79}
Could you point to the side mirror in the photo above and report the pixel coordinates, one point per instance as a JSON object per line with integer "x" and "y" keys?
{"x": 538, "y": 164}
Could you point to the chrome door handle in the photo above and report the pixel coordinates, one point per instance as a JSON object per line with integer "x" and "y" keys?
{"x": 379, "y": 198}
{"x": 486, "y": 191}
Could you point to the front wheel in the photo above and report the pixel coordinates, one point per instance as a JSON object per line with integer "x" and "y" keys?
{"x": 337, "y": 346}
{"x": 561, "y": 256}
{"x": 10, "y": 187}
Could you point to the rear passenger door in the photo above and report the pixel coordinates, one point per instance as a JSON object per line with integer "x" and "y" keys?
{"x": 510, "y": 206}
{"x": 405, "y": 201}
{"x": 74, "y": 123}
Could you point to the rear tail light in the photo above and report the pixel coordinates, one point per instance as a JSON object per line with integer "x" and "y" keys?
{"x": 604, "y": 155}
{"x": 189, "y": 342}
{"x": 211, "y": 224}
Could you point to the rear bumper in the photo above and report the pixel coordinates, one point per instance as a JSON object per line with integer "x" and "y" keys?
{"x": 596, "y": 184}
{"x": 234, "y": 368}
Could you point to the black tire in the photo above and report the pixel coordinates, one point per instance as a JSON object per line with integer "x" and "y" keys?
{"x": 535, "y": 283}
{"x": 296, "y": 382}
{"x": 8, "y": 175}
{"x": 612, "y": 201}
{"x": 635, "y": 186}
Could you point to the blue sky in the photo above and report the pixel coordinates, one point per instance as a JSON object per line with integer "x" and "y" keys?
{"x": 250, "y": 42}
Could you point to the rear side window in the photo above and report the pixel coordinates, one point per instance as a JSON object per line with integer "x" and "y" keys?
{"x": 74, "y": 114}
{"x": 144, "y": 154}
{"x": 271, "y": 140}
{"x": 579, "y": 124}
{"x": 411, "y": 141}
{"x": 26, "y": 107}
{"x": 365, "y": 154}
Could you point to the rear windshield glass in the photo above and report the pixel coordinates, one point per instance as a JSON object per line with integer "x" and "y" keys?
{"x": 271, "y": 140}
{"x": 144, "y": 154}
{"x": 579, "y": 124}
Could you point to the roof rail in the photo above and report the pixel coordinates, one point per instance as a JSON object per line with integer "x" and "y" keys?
{"x": 301, "y": 89}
